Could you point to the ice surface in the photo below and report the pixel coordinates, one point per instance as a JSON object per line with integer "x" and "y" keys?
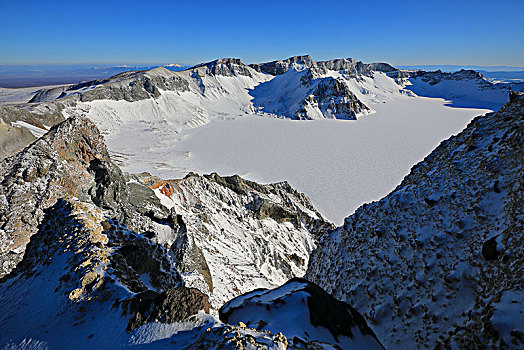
{"x": 339, "y": 165}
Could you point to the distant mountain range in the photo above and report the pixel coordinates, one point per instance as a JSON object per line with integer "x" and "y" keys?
{"x": 15, "y": 76}
{"x": 499, "y": 74}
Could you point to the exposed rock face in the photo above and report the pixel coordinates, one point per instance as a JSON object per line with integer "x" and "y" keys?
{"x": 236, "y": 234}
{"x": 135, "y": 86}
{"x": 71, "y": 160}
{"x": 281, "y": 66}
{"x": 334, "y": 100}
{"x": 129, "y": 86}
{"x": 355, "y": 68}
{"x": 310, "y": 93}
{"x": 228, "y": 67}
{"x": 170, "y": 306}
{"x": 346, "y": 65}
{"x": 438, "y": 262}
{"x": 100, "y": 250}
{"x": 80, "y": 260}
{"x": 14, "y": 138}
{"x": 40, "y": 174}
{"x": 189, "y": 257}
{"x": 437, "y": 76}
{"x": 304, "y": 313}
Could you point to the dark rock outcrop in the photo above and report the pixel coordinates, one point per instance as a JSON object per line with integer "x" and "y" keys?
{"x": 228, "y": 67}
{"x": 334, "y": 99}
{"x": 281, "y": 66}
{"x": 169, "y": 306}
{"x": 135, "y": 86}
{"x": 71, "y": 160}
{"x": 348, "y": 66}
{"x": 13, "y": 139}
{"x": 188, "y": 256}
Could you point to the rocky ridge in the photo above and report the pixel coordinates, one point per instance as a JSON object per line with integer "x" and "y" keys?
{"x": 238, "y": 235}
{"x": 346, "y": 65}
{"x": 439, "y": 262}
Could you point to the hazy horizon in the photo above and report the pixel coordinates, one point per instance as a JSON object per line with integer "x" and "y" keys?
{"x": 185, "y": 64}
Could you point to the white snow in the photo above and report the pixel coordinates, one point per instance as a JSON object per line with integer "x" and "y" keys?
{"x": 242, "y": 253}
{"x": 36, "y": 131}
{"x": 20, "y": 95}
{"x": 338, "y": 164}
{"x": 461, "y": 93}
{"x": 286, "y": 309}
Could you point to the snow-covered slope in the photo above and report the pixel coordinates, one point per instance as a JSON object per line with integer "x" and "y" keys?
{"x": 169, "y": 102}
{"x": 302, "y": 311}
{"x": 152, "y": 121}
{"x": 202, "y": 98}
{"x": 465, "y": 88}
{"x": 438, "y": 262}
{"x": 301, "y": 93}
{"x": 98, "y": 284}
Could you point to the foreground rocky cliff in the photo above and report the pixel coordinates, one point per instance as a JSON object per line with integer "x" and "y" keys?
{"x": 439, "y": 261}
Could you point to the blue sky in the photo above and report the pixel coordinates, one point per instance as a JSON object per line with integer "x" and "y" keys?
{"x": 399, "y": 32}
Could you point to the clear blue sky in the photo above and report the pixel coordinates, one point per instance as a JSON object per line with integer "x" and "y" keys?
{"x": 473, "y": 32}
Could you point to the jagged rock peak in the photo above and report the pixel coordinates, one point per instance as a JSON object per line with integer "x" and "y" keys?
{"x": 334, "y": 100}
{"x": 434, "y": 77}
{"x": 347, "y": 64}
{"x": 281, "y": 66}
{"x": 224, "y": 66}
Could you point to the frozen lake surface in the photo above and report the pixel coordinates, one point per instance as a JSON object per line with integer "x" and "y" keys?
{"x": 338, "y": 164}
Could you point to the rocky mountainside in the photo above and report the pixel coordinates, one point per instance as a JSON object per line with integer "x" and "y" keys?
{"x": 86, "y": 281}
{"x": 348, "y": 65}
{"x": 21, "y": 126}
{"x": 438, "y": 262}
{"x": 91, "y": 255}
{"x": 248, "y": 235}
{"x": 465, "y": 88}
{"x": 253, "y": 235}
{"x": 127, "y": 86}
{"x": 70, "y": 161}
